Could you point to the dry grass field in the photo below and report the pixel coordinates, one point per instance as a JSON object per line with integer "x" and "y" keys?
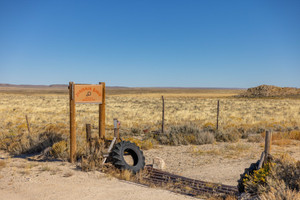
{"x": 141, "y": 109}
{"x": 190, "y": 120}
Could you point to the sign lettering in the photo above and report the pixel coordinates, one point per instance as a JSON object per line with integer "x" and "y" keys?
{"x": 88, "y": 94}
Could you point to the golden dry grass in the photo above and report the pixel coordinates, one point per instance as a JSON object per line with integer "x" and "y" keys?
{"x": 139, "y": 111}
{"x": 144, "y": 111}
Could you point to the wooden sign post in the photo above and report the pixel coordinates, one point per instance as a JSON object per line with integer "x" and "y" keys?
{"x": 83, "y": 93}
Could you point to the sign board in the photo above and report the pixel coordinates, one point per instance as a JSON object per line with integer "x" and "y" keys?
{"x": 88, "y": 94}
{"x": 83, "y": 93}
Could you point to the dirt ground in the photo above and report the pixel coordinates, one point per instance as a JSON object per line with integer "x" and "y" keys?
{"x": 22, "y": 178}
{"x": 217, "y": 163}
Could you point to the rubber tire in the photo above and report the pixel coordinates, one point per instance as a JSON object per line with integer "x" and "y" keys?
{"x": 248, "y": 171}
{"x": 117, "y": 156}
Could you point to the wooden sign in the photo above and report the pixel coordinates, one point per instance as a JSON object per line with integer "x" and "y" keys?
{"x": 88, "y": 94}
{"x": 83, "y": 93}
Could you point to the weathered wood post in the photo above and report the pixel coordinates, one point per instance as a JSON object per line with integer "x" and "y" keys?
{"x": 163, "y": 114}
{"x": 88, "y": 132}
{"x": 28, "y": 124}
{"x": 88, "y": 136}
{"x": 102, "y": 113}
{"x": 116, "y": 130}
{"x": 267, "y": 151}
{"x": 218, "y": 111}
{"x": 72, "y": 123}
{"x": 268, "y": 141}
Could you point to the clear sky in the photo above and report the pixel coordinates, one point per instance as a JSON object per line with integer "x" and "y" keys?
{"x": 167, "y": 43}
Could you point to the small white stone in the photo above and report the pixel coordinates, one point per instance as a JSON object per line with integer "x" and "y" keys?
{"x": 159, "y": 163}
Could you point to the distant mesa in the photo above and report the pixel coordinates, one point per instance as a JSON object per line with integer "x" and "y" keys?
{"x": 271, "y": 91}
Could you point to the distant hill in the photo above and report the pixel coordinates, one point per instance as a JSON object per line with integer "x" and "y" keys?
{"x": 271, "y": 91}
{"x": 117, "y": 90}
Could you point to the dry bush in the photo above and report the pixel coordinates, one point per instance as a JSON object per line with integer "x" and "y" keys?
{"x": 279, "y": 178}
{"x": 227, "y": 136}
{"x": 183, "y": 135}
{"x": 287, "y": 170}
{"x": 255, "y": 138}
{"x": 144, "y": 144}
{"x": 279, "y": 191}
{"x": 294, "y": 134}
{"x": 34, "y": 143}
{"x": 60, "y": 150}
{"x": 127, "y": 175}
{"x": 93, "y": 157}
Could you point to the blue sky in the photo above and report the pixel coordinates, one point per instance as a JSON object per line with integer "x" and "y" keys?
{"x": 148, "y": 43}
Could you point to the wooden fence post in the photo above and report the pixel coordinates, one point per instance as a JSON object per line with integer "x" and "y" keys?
{"x": 72, "y": 123}
{"x": 268, "y": 141}
{"x": 102, "y": 114}
{"x": 88, "y": 137}
{"x": 218, "y": 111}
{"x": 163, "y": 114}
{"x": 116, "y": 129}
{"x": 28, "y": 125}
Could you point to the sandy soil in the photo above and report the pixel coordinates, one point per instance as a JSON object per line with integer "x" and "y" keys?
{"x": 217, "y": 163}
{"x": 22, "y": 178}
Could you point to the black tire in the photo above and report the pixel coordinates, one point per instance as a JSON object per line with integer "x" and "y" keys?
{"x": 248, "y": 171}
{"x": 127, "y": 148}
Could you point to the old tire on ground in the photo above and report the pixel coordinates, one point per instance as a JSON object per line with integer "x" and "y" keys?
{"x": 248, "y": 171}
{"x": 124, "y": 148}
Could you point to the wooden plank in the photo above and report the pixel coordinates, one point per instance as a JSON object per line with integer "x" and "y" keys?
{"x": 109, "y": 149}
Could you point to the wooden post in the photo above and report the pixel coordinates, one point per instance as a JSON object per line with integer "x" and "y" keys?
{"x": 163, "y": 114}
{"x": 88, "y": 132}
{"x": 261, "y": 160}
{"x": 116, "y": 129}
{"x": 268, "y": 144}
{"x": 118, "y": 132}
{"x": 72, "y": 123}
{"x": 218, "y": 111}
{"x": 28, "y": 125}
{"x": 88, "y": 137}
{"x": 102, "y": 114}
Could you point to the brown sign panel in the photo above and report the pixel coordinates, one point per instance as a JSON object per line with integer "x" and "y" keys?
{"x": 88, "y": 94}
